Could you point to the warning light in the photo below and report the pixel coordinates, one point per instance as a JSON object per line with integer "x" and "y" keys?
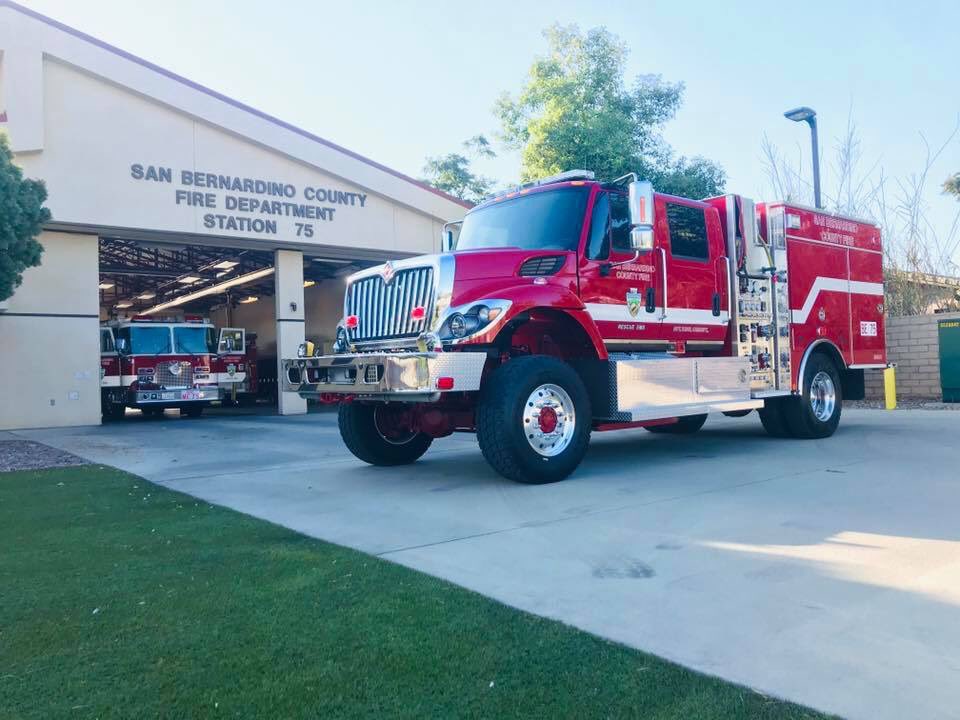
{"x": 351, "y": 322}
{"x": 444, "y": 383}
{"x": 418, "y": 313}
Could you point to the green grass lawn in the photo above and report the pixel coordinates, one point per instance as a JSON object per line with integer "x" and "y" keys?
{"x": 119, "y": 599}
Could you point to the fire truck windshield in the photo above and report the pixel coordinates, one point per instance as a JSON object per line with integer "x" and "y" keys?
{"x": 145, "y": 340}
{"x": 194, "y": 340}
{"x": 546, "y": 220}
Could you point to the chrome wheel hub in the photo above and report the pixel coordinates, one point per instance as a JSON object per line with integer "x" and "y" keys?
{"x": 823, "y": 396}
{"x": 549, "y": 420}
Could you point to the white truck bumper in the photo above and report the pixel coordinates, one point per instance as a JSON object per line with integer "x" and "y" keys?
{"x": 411, "y": 377}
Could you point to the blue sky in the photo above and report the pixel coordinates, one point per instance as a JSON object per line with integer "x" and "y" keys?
{"x": 397, "y": 81}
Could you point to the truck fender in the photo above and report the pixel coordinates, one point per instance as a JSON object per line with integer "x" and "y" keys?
{"x": 556, "y": 299}
{"x": 825, "y": 346}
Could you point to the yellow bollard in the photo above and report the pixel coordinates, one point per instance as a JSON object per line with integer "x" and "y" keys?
{"x": 890, "y": 388}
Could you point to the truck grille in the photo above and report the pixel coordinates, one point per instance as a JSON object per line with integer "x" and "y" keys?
{"x": 167, "y": 378}
{"x": 383, "y": 309}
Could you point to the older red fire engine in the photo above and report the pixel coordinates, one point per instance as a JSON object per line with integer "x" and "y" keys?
{"x": 152, "y": 364}
{"x": 570, "y": 305}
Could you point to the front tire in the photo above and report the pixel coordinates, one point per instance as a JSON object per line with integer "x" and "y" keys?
{"x": 686, "y": 425}
{"x": 372, "y": 434}
{"x": 534, "y": 420}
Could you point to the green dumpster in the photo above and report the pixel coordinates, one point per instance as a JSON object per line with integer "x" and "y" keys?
{"x": 950, "y": 359}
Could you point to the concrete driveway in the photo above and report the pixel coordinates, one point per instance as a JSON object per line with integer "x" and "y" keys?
{"x": 826, "y": 572}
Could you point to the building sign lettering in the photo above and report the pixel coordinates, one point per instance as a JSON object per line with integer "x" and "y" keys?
{"x": 247, "y": 204}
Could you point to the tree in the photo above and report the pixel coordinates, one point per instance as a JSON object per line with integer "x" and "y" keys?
{"x": 22, "y": 216}
{"x": 576, "y": 111}
{"x": 952, "y": 185}
{"x": 452, "y": 174}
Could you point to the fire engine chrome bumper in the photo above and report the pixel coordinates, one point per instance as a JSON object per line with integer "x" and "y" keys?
{"x": 161, "y": 397}
{"x": 413, "y": 376}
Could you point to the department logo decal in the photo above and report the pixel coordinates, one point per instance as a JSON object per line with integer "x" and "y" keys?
{"x": 633, "y": 302}
{"x": 387, "y": 273}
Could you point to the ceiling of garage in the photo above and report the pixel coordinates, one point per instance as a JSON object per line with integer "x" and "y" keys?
{"x": 148, "y": 274}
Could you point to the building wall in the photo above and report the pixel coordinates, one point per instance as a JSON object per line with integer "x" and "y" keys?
{"x": 145, "y": 156}
{"x": 49, "y": 343}
{"x": 912, "y": 344}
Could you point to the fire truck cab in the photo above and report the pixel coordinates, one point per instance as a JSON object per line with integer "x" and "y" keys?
{"x": 569, "y": 306}
{"x": 152, "y": 364}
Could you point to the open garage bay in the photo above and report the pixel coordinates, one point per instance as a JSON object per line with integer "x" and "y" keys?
{"x": 826, "y": 572}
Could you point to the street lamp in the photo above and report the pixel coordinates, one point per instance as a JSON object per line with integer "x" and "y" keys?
{"x": 809, "y": 116}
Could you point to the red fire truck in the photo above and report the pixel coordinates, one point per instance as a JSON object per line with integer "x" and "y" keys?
{"x": 569, "y": 305}
{"x": 152, "y": 364}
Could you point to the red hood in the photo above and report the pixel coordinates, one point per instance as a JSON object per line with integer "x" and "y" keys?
{"x": 496, "y": 262}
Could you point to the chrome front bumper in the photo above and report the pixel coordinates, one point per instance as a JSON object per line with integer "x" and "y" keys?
{"x": 411, "y": 377}
{"x": 188, "y": 395}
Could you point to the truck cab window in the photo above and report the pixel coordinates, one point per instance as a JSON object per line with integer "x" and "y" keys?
{"x": 598, "y": 244}
{"x": 620, "y": 223}
{"x": 688, "y": 232}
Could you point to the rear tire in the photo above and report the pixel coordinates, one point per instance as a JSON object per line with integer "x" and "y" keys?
{"x": 772, "y": 417}
{"x": 686, "y": 425}
{"x": 364, "y": 437}
{"x": 816, "y": 412}
{"x": 534, "y": 420}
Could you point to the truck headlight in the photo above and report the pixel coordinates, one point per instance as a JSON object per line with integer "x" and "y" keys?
{"x": 461, "y": 324}
{"x": 457, "y": 325}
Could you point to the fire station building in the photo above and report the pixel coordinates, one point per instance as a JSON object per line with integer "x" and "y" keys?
{"x": 166, "y": 194}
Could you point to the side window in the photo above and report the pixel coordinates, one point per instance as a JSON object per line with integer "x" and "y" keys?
{"x": 106, "y": 341}
{"x": 598, "y": 244}
{"x": 620, "y": 223}
{"x": 688, "y": 232}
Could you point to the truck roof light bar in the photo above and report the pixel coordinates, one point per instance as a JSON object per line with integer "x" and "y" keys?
{"x": 551, "y": 180}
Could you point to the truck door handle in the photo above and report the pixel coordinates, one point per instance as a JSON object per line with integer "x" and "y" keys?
{"x": 716, "y": 304}
{"x": 651, "y": 299}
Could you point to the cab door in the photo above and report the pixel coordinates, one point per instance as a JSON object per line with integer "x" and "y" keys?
{"x": 619, "y": 288}
{"x": 689, "y": 243}
{"x": 229, "y": 364}
{"x": 109, "y": 359}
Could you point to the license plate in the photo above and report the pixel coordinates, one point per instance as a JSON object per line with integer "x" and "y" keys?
{"x": 190, "y": 395}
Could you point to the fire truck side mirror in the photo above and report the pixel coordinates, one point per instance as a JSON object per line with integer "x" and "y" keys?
{"x": 641, "y": 239}
{"x": 640, "y": 200}
{"x": 640, "y": 196}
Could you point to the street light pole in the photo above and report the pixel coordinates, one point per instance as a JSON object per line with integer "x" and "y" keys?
{"x": 809, "y": 116}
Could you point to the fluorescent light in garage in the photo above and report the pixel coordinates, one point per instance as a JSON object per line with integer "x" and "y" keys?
{"x": 309, "y": 283}
{"x": 146, "y": 296}
{"x": 248, "y": 300}
{"x": 124, "y": 304}
{"x": 212, "y": 290}
{"x": 226, "y": 265}
{"x": 105, "y": 285}
{"x": 189, "y": 280}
